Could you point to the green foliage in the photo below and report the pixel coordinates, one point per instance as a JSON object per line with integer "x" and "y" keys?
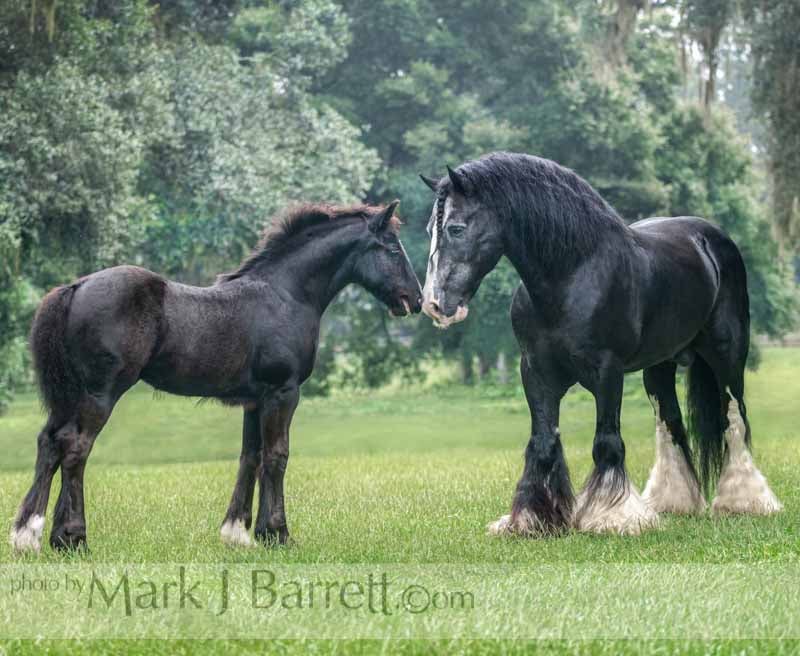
{"x": 707, "y": 168}
{"x": 774, "y": 26}
{"x": 166, "y": 134}
{"x": 367, "y": 348}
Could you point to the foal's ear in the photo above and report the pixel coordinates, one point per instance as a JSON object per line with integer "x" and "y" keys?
{"x": 432, "y": 184}
{"x": 459, "y": 182}
{"x": 379, "y": 221}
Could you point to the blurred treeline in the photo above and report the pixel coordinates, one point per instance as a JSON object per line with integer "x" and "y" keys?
{"x": 167, "y": 134}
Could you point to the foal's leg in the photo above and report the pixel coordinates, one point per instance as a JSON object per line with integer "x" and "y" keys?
{"x": 609, "y": 502}
{"x": 237, "y": 522}
{"x": 271, "y": 520}
{"x": 543, "y": 500}
{"x": 673, "y": 485}
{"x": 26, "y": 533}
{"x": 75, "y": 443}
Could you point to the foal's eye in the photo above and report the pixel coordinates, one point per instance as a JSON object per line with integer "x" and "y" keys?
{"x": 456, "y": 231}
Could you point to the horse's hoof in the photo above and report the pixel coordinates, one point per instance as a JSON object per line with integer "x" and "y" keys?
{"x": 234, "y": 533}
{"x": 274, "y": 537}
{"x": 28, "y": 536}
{"x": 524, "y": 523}
{"x": 604, "y": 514}
{"x": 68, "y": 542}
{"x": 499, "y": 527}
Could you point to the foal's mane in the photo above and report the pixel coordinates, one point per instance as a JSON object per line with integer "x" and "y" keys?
{"x": 277, "y": 238}
{"x": 550, "y": 210}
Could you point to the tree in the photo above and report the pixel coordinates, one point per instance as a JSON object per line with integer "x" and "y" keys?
{"x": 164, "y": 134}
{"x": 775, "y": 26}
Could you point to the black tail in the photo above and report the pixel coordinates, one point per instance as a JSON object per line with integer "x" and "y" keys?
{"x": 60, "y": 383}
{"x": 705, "y": 421}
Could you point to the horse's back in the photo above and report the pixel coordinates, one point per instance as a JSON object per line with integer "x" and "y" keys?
{"x": 683, "y": 267}
{"x": 684, "y": 240}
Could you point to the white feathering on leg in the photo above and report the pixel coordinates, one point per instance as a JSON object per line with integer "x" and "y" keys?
{"x": 234, "y": 533}
{"x": 28, "y": 537}
{"x": 671, "y": 486}
{"x": 742, "y": 487}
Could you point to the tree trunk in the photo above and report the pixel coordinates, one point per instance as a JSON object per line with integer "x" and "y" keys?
{"x": 502, "y": 368}
{"x": 484, "y": 366}
{"x": 622, "y": 26}
{"x": 467, "y": 374}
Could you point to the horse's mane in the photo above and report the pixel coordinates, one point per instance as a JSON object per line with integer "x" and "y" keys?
{"x": 554, "y": 213}
{"x": 277, "y": 237}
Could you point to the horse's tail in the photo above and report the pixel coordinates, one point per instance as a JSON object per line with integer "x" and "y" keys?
{"x": 705, "y": 421}
{"x": 60, "y": 383}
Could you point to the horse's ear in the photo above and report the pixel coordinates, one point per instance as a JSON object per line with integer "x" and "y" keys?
{"x": 458, "y": 180}
{"x": 432, "y": 184}
{"x": 379, "y": 221}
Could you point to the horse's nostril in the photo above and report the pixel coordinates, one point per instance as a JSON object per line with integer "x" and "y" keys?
{"x": 434, "y": 306}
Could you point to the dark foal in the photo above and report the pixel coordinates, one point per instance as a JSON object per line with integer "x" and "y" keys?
{"x": 600, "y": 298}
{"x": 248, "y": 340}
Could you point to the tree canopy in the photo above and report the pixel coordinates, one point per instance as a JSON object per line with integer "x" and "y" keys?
{"x": 167, "y": 133}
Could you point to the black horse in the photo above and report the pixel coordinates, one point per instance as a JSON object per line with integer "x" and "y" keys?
{"x": 600, "y": 298}
{"x": 248, "y": 340}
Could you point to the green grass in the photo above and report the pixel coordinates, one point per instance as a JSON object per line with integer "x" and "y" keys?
{"x": 395, "y": 477}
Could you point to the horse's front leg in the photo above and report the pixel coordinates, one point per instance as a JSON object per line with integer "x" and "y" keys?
{"x": 271, "y": 520}
{"x": 543, "y": 500}
{"x": 609, "y": 503}
{"x": 237, "y": 522}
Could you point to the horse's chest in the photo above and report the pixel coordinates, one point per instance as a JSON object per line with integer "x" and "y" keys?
{"x": 281, "y": 361}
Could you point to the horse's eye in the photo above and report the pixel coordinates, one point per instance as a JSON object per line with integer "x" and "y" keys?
{"x": 456, "y": 231}
{"x": 393, "y": 250}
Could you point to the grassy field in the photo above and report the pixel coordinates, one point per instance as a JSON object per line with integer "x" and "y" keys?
{"x": 400, "y": 477}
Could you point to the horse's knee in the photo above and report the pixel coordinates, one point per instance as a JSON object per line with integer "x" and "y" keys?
{"x": 275, "y": 462}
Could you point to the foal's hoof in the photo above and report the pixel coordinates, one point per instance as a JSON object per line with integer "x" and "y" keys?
{"x": 274, "y": 537}
{"x": 28, "y": 536}
{"x": 234, "y": 533}
{"x": 67, "y": 542}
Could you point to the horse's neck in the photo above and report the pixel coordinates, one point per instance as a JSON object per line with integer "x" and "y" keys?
{"x": 544, "y": 279}
{"x": 317, "y": 271}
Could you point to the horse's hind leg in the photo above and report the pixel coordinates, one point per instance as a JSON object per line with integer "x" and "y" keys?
{"x": 742, "y": 488}
{"x": 75, "y": 442}
{"x": 26, "y": 533}
{"x": 673, "y": 485}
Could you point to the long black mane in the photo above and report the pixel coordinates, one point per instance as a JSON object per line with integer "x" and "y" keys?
{"x": 277, "y": 239}
{"x": 552, "y": 212}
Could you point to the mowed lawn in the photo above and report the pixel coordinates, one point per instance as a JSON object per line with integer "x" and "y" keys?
{"x": 400, "y": 476}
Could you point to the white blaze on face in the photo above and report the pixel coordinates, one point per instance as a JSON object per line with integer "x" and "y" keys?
{"x": 432, "y": 289}
{"x": 742, "y": 487}
{"x": 431, "y": 283}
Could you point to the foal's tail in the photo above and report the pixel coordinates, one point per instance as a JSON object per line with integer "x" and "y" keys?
{"x": 60, "y": 383}
{"x": 705, "y": 421}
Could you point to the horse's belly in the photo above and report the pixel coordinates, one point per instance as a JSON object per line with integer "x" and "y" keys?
{"x": 671, "y": 327}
